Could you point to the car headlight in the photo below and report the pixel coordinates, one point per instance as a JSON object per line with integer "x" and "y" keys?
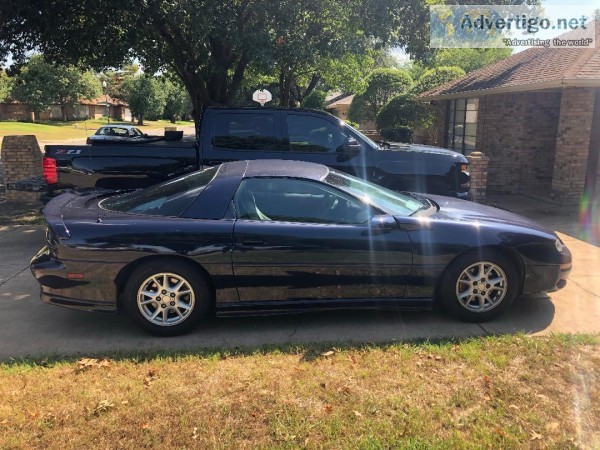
{"x": 559, "y": 245}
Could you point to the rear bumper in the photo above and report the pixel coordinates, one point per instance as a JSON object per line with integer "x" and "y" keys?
{"x": 58, "y": 289}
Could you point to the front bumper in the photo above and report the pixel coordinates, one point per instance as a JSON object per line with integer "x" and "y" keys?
{"x": 56, "y": 288}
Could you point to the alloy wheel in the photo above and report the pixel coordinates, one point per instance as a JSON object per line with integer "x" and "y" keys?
{"x": 165, "y": 299}
{"x": 481, "y": 287}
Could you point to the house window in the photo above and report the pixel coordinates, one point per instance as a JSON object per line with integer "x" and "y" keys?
{"x": 462, "y": 124}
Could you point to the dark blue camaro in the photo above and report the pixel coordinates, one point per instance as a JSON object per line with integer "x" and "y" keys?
{"x": 274, "y": 236}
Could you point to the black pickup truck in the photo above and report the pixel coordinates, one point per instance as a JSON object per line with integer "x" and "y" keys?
{"x": 254, "y": 133}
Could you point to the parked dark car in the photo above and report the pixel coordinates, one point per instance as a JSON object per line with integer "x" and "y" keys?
{"x": 271, "y": 236}
{"x": 115, "y": 134}
{"x": 228, "y": 134}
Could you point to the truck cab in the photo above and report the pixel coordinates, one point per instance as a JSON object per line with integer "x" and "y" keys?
{"x": 309, "y": 135}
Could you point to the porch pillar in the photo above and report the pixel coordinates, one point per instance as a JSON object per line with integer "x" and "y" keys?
{"x": 573, "y": 143}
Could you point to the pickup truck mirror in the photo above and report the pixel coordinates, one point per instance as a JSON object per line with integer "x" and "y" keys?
{"x": 352, "y": 145}
{"x": 349, "y": 149}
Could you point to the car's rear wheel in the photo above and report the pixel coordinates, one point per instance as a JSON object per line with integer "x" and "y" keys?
{"x": 479, "y": 286}
{"x": 167, "y": 298}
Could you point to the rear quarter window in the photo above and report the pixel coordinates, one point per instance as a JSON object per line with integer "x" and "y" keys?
{"x": 169, "y": 199}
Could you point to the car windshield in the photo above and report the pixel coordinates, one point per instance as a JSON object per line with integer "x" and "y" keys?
{"x": 385, "y": 199}
{"x": 170, "y": 198}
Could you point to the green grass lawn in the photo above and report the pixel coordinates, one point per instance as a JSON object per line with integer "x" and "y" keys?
{"x": 55, "y": 130}
{"x": 507, "y": 392}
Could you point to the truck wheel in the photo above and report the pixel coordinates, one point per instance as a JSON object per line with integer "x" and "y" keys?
{"x": 167, "y": 298}
{"x": 479, "y": 286}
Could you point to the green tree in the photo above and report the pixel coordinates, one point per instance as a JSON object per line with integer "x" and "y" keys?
{"x": 437, "y": 76}
{"x": 469, "y": 59}
{"x": 146, "y": 97}
{"x": 177, "y": 104}
{"x": 40, "y": 85}
{"x": 402, "y": 110}
{"x": 381, "y": 86}
{"x": 6, "y": 85}
{"x": 210, "y": 44}
{"x": 315, "y": 100}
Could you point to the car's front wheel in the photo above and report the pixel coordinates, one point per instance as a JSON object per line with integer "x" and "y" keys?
{"x": 479, "y": 286}
{"x": 167, "y": 298}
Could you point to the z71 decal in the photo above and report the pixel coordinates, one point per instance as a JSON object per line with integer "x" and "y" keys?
{"x": 64, "y": 151}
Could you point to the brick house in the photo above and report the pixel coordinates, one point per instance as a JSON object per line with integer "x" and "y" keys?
{"x": 536, "y": 115}
{"x": 85, "y": 109}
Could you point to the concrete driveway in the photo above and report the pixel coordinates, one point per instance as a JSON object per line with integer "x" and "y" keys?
{"x": 29, "y": 327}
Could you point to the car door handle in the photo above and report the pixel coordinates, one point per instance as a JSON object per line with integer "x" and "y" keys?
{"x": 253, "y": 241}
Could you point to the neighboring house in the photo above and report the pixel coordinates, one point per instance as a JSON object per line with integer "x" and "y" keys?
{"x": 536, "y": 115}
{"x": 338, "y": 104}
{"x": 85, "y": 109}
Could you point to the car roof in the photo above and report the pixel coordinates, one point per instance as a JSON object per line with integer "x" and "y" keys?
{"x": 285, "y": 168}
{"x": 271, "y": 109}
{"x": 118, "y": 125}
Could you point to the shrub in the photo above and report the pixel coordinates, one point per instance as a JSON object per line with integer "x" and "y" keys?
{"x": 398, "y": 134}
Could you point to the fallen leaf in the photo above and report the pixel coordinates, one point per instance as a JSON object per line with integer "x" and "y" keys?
{"x": 535, "y": 436}
{"x": 328, "y": 408}
{"x": 329, "y": 353}
{"x": 552, "y": 426}
{"x": 125, "y": 402}
{"x": 102, "y": 407}
{"x": 145, "y": 426}
{"x": 195, "y": 433}
{"x": 150, "y": 377}
{"x": 357, "y": 414}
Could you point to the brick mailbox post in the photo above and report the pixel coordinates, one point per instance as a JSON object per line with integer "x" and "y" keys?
{"x": 21, "y": 158}
{"x": 478, "y": 168}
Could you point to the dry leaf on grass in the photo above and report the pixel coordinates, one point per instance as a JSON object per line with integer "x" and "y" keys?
{"x": 195, "y": 434}
{"x": 329, "y": 353}
{"x": 150, "y": 377}
{"x": 552, "y": 427}
{"x": 88, "y": 363}
{"x": 102, "y": 407}
{"x": 328, "y": 408}
{"x": 357, "y": 414}
{"x": 535, "y": 436}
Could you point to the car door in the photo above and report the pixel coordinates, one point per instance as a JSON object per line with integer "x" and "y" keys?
{"x": 297, "y": 239}
{"x": 235, "y": 135}
{"x": 321, "y": 139}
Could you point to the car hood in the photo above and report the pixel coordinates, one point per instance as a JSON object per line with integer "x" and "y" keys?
{"x": 400, "y": 146}
{"x": 466, "y": 211}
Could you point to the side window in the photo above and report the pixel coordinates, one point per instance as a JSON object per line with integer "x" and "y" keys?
{"x": 314, "y": 134}
{"x": 292, "y": 200}
{"x": 245, "y": 132}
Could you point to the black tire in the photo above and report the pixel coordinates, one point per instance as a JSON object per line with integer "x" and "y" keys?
{"x": 170, "y": 307}
{"x": 449, "y": 286}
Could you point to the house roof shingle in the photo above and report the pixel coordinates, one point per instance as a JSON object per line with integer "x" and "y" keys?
{"x": 532, "y": 69}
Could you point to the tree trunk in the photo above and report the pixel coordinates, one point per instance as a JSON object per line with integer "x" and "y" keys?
{"x": 63, "y": 111}
{"x": 286, "y": 79}
{"x": 140, "y": 121}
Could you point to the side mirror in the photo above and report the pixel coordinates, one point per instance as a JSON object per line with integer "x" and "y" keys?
{"x": 383, "y": 221}
{"x": 352, "y": 145}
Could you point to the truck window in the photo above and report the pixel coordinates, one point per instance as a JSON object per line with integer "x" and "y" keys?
{"x": 314, "y": 134}
{"x": 245, "y": 132}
